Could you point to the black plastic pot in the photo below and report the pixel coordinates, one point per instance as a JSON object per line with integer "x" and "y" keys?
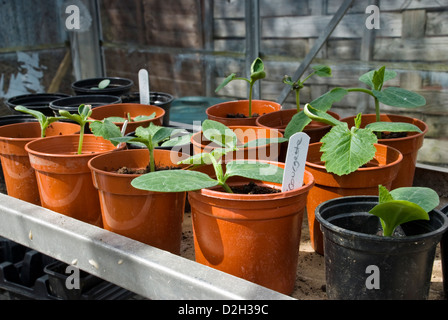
{"x": 403, "y": 264}
{"x": 444, "y": 256}
{"x": 159, "y": 99}
{"x": 16, "y": 118}
{"x": 117, "y": 87}
{"x": 39, "y": 101}
{"x": 71, "y": 104}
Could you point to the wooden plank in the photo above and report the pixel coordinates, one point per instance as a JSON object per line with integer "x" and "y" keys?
{"x": 437, "y": 23}
{"x": 427, "y": 49}
{"x": 414, "y": 22}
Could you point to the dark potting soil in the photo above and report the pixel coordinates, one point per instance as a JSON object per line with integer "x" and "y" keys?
{"x": 393, "y": 135}
{"x": 126, "y": 170}
{"x": 240, "y": 115}
{"x": 252, "y": 188}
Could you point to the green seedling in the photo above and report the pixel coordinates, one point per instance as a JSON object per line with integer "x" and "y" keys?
{"x": 43, "y": 120}
{"x": 138, "y": 118}
{"x": 403, "y": 205}
{"x": 319, "y": 70}
{"x": 346, "y": 149}
{"x": 82, "y": 118}
{"x": 189, "y": 180}
{"x": 375, "y": 79}
{"x": 102, "y": 85}
{"x": 256, "y": 73}
{"x": 151, "y": 136}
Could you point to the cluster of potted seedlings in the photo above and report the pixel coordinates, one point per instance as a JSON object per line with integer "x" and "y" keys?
{"x": 357, "y": 185}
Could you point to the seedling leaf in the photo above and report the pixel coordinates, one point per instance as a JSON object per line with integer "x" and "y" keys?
{"x": 173, "y": 181}
{"x": 393, "y": 127}
{"x": 257, "y": 171}
{"x": 345, "y": 150}
{"x": 398, "y": 97}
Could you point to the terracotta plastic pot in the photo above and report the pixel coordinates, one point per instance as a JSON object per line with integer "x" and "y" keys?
{"x": 20, "y": 179}
{"x": 244, "y": 134}
{"x": 254, "y": 237}
{"x": 63, "y": 178}
{"x": 154, "y": 218}
{"x": 280, "y": 119}
{"x": 408, "y": 145}
{"x": 133, "y": 109}
{"x": 381, "y": 170}
{"x": 218, "y": 112}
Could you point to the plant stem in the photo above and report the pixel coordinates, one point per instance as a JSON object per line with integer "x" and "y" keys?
{"x": 152, "y": 166}
{"x": 298, "y": 99}
{"x": 81, "y": 138}
{"x": 227, "y": 188}
{"x": 250, "y": 99}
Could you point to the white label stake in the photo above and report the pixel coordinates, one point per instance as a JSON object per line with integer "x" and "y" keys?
{"x": 143, "y": 83}
{"x": 295, "y": 161}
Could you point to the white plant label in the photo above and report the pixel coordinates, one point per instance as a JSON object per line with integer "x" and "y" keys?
{"x": 143, "y": 84}
{"x": 295, "y": 161}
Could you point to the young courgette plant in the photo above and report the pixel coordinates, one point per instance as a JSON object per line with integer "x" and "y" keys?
{"x": 190, "y": 180}
{"x": 43, "y": 120}
{"x": 256, "y": 73}
{"x": 82, "y": 118}
{"x": 375, "y": 79}
{"x": 403, "y": 205}
{"x": 346, "y": 149}
{"x": 319, "y": 70}
{"x": 151, "y": 136}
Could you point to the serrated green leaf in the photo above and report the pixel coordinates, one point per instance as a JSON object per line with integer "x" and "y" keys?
{"x": 398, "y": 97}
{"x": 344, "y": 150}
{"x": 381, "y": 126}
{"x": 219, "y": 133}
{"x": 105, "y": 129}
{"x": 254, "y": 170}
{"x": 384, "y": 194}
{"x": 367, "y": 78}
{"x": 173, "y": 181}
{"x": 322, "y": 70}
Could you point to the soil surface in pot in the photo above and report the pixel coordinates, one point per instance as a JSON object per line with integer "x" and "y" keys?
{"x": 253, "y": 188}
{"x": 241, "y": 115}
{"x": 393, "y": 135}
{"x": 126, "y": 170}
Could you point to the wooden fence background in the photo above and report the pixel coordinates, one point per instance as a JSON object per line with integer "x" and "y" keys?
{"x": 189, "y": 46}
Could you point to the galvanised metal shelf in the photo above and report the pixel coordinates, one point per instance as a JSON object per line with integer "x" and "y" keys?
{"x": 137, "y": 267}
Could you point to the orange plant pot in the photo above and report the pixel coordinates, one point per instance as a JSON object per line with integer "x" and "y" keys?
{"x": 134, "y": 110}
{"x": 244, "y": 134}
{"x": 408, "y": 145}
{"x": 381, "y": 170}
{"x": 63, "y": 178}
{"x": 20, "y": 179}
{"x": 280, "y": 119}
{"x": 218, "y": 112}
{"x": 154, "y": 218}
{"x": 254, "y": 237}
